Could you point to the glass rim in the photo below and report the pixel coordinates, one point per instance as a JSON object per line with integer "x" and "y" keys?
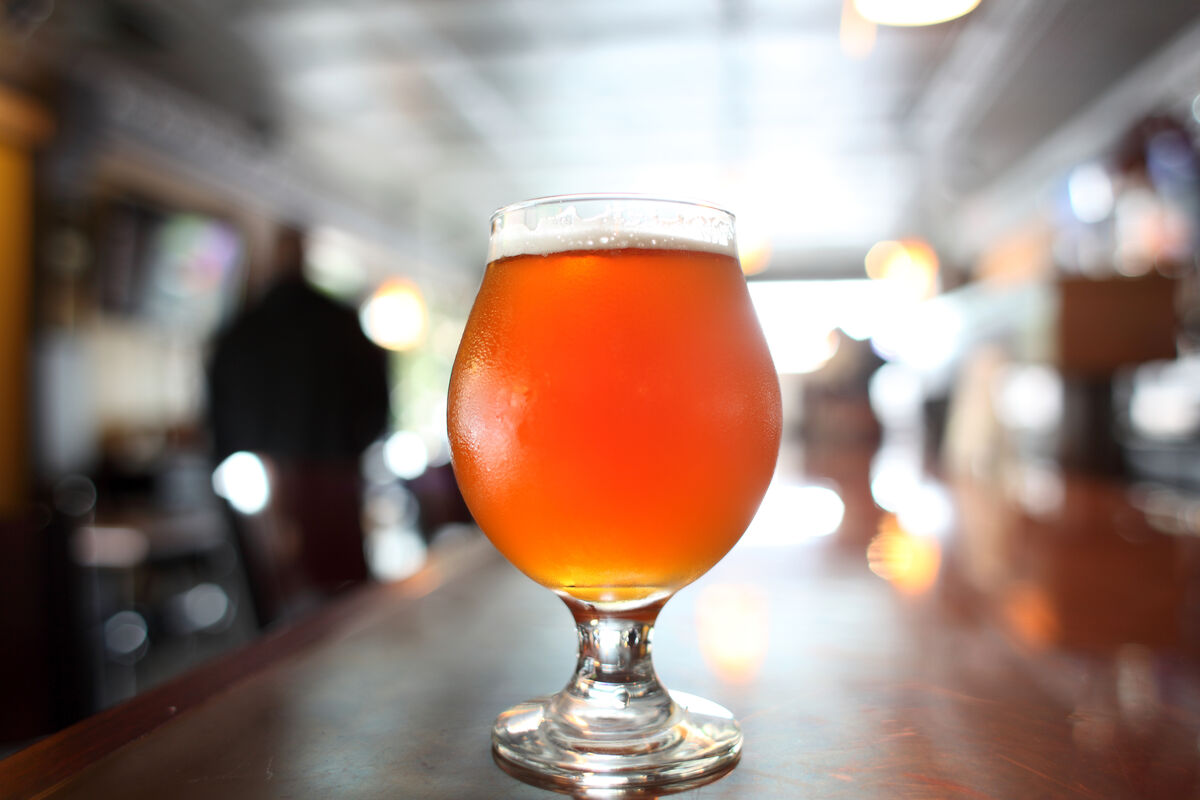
{"x": 609, "y": 196}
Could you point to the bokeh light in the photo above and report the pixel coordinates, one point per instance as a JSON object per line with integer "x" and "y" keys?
{"x": 394, "y": 316}
{"x": 205, "y": 605}
{"x": 126, "y": 637}
{"x": 910, "y": 264}
{"x": 907, "y": 561}
{"x": 333, "y": 265}
{"x": 109, "y": 546}
{"x": 911, "y": 13}
{"x": 733, "y": 626}
{"x": 242, "y": 480}
{"x": 405, "y": 454}
{"x": 1030, "y": 615}
{"x": 1164, "y": 401}
{"x": 754, "y": 252}
{"x": 1029, "y": 398}
{"x": 1090, "y": 191}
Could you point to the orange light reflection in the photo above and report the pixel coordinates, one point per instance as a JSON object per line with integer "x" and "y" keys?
{"x": 733, "y": 626}
{"x": 910, "y": 563}
{"x": 911, "y": 265}
{"x": 1030, "y": 615}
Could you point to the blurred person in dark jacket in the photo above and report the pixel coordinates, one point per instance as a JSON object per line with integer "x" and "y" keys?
{"x": 295, "y": 381}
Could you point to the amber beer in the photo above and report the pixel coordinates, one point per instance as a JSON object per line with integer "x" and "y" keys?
{"x": 614, "y": 415}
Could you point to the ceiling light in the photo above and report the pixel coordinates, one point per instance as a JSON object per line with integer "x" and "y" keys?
{"x": 394, "y": 316}
{"x": 911, "y": 263}
{"x": 856, "y": 35}
{"x": 911, "y": 13}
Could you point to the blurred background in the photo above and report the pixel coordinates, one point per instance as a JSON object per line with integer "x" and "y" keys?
{"x": 972, "y": 245}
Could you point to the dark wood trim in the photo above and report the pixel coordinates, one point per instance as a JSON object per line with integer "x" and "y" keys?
{"x": 22, "y": 121}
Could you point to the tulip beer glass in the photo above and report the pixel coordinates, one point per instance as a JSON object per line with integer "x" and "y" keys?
{"x": 614, "y": 420}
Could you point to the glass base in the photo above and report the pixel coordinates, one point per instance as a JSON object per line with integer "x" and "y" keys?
{"x": 697, "y": 742}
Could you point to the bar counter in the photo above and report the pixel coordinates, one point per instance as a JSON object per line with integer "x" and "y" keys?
{"x": 1041, "y": 643}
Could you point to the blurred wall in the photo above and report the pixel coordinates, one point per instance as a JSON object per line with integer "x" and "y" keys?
{"x": 22, "y": 126}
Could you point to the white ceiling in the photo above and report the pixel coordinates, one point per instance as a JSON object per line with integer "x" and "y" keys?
{"x": 448, "y": 110}
{"x": 425, "y": 115}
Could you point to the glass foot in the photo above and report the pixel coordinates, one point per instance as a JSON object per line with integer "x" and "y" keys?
{"x": 541, "y": 742}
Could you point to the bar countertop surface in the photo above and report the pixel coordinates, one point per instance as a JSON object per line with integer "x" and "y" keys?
{"x": 1038, "y": 641}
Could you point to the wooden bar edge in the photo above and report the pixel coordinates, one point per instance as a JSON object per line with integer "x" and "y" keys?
{"x": 39, "y": 769}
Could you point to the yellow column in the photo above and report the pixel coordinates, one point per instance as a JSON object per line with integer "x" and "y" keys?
{"x": 22, "y": 124}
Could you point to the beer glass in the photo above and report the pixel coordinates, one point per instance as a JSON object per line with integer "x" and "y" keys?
{"x": 614, "y": 420}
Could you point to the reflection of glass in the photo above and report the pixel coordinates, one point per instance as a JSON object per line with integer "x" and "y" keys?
{"x": 733, "y": 626}
{"x": 909, "y": 562}
{"x": 614, "y": 417}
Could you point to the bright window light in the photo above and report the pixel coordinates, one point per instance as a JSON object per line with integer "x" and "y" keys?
{"x": 798, "y": 317}
{"x": 791, "y": 514}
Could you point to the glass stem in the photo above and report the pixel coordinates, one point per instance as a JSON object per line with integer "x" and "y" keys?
{"x": 614, "y": 693}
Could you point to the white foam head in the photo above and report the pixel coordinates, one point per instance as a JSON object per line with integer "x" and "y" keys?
{"x": 609, "y": 222}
